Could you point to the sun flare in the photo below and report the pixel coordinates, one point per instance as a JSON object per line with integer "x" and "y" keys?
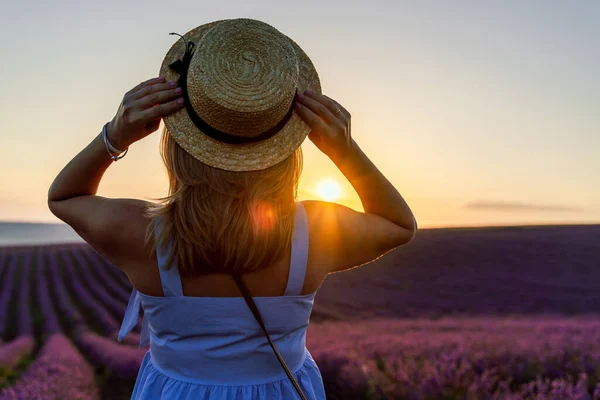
{"x": 328, "y": 190}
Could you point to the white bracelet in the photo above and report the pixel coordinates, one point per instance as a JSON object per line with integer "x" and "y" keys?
{"x": 110, "y": 147}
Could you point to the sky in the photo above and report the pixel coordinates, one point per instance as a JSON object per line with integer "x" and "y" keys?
{"x": 480, "y": 113}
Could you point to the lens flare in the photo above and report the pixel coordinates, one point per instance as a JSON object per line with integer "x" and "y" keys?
{"x": 263, "y": 217}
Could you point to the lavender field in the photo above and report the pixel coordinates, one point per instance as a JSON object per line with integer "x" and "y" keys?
{"x": 498, "y": 313}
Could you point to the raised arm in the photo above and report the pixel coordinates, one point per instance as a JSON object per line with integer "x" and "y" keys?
{"x": 106, "y": 224}
{"x": 342, "y": 238}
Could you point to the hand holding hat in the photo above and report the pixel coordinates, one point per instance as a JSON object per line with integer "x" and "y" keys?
{"x": 141, "y": 110}
{"x": 329, "y": 123}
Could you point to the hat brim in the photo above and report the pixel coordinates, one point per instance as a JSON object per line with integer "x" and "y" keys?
{"x": 238, "y": 157}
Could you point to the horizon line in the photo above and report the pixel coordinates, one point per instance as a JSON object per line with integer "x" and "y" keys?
{"x": 427, "y": 227}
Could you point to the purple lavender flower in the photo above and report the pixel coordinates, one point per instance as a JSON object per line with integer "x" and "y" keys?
{"x": 51, "y": 322}
{"x": 3, "y": 260}
{"x": 106, "y": 274}
{"x": 455, "y": 358}
{"x": 24, "y": 323}
{"x": 117, "y": 274}
{"x": 116, "y": 307}
{"x": 110, "y": 292}
{"x": 124, "y": 361}
{"x": 7, "y": 285}
{"x": 65, "y": 306}
{"x": 59, "y": 372}
{"x": 466, "y": 358}
{"x": 11, "y": 353}
{"x": 105, "y": 320}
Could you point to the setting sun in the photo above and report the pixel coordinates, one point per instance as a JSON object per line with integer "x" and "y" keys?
{"x": 328, "y": 190}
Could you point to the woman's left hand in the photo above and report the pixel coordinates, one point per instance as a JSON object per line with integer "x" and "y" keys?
{"x": 141, "y": 110}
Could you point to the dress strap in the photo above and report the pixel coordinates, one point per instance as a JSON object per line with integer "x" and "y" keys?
{"x": 299, "y": 254}
{"x": 169, "y": 278}
{"x": 171, "y": 284}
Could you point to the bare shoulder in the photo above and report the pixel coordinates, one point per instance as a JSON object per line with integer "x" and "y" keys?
{"x": 128, "y": 250}
{"x": 116, "y": 229}
{"x": 341, "y": 238}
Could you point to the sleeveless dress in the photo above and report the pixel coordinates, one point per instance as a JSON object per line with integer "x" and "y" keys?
{"x": 213, "y": 347}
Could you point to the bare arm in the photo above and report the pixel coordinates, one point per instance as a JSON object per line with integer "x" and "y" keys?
{"x": 340, "y": 237}
{"x": 102, "y": 222}
{"x": 377, "y": 194}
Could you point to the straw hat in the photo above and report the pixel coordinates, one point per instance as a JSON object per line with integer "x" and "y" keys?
{"x": 241, "y": 83}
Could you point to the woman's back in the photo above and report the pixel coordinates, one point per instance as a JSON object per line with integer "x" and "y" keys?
{"x": 222, "y": 285}
{"x": 212, "y": 347}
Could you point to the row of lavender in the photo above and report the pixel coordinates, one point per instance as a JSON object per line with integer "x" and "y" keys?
{"x": 76, "y": 277}
{"x": 19, "y": 269}
{"x": 86, "y": 292}
{"x": 472, "y": 358}
{"x": 501, "y": 271}
{"x": 80, "y": 298}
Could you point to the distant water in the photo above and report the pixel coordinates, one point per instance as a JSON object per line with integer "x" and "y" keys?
{"x": 18, "y": 233}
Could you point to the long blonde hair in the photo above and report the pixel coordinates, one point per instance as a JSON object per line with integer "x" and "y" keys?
{"x": 223, "y": 221}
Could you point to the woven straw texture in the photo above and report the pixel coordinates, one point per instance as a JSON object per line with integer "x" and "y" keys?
{"x": 242, "y": 80}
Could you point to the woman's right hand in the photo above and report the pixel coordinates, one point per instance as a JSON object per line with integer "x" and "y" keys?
{"x": 329, "y": 123}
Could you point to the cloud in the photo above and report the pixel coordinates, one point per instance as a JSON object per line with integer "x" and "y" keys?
{"x": 518, "y": 206}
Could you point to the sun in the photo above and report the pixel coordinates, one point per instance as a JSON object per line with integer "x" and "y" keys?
{"x": 328, "y": 190}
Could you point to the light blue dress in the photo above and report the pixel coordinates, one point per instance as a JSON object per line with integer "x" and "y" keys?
{"x": 213, "y": 347}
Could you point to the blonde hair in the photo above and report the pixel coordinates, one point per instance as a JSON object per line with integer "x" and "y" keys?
{"x": 223, "y": 221}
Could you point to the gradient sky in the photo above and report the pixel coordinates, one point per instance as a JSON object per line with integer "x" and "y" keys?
{"x": 480, "y": 113}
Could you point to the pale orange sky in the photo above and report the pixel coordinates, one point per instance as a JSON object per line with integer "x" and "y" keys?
{"x": 481, "y": 114}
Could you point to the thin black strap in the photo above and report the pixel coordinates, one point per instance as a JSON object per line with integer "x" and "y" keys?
{"x": 238, "y": 279}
